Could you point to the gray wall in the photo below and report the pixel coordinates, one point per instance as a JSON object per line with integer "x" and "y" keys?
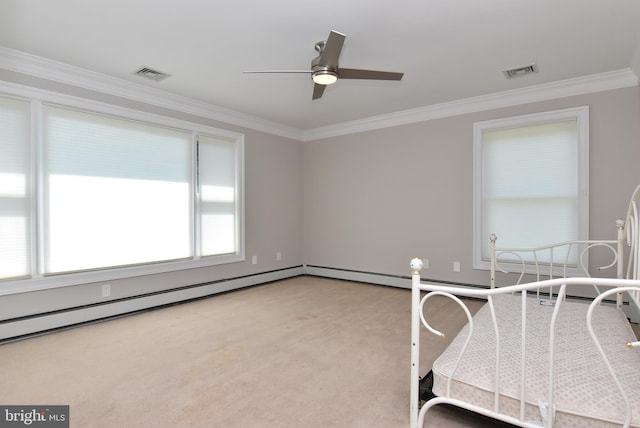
{"x": 374, "y": 200}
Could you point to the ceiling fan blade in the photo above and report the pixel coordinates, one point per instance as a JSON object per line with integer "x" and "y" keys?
{"x": 332, "y": 49}
{"x": 318, "y": 90}
{"x": 354, "y": 73}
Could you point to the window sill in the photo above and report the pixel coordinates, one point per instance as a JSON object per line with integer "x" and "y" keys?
{"x": 25, "y": 285}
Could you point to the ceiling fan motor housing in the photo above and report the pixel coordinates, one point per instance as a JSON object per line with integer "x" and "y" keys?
{"x": 323, "y": 74}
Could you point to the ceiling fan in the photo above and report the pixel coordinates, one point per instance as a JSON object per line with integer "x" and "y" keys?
{"x": 325, "y": 71}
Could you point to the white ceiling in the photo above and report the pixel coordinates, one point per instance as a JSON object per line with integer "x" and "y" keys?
{"x": 448, "y": 49}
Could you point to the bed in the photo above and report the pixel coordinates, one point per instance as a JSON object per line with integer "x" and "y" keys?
{"x": 531, "y": 356}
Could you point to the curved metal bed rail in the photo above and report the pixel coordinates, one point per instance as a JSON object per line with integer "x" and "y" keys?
{"x": 438, "y": 333}
{"x": 541, "y": 268}
{"x": 632, "y": 240}
{"x": 595, "y": 303}
{"x": 530, "y": 260}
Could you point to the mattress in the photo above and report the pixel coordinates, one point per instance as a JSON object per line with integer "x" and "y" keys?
{"x": 585, "y": 395}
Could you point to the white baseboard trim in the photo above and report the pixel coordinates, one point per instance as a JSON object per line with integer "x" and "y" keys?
{"x": 350, "y": 275}
{"x": 60, "y": 319}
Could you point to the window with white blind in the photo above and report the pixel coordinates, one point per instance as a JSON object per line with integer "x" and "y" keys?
{"x": 531, "y": 181}
{"x": 218, "y": 195}
{"x": 15, "y": 188}
{"x": 115, "y": 191}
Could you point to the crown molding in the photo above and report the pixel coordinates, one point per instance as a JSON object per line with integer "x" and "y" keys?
{"x": 44, "y": 68}
{"x": 548, "y": 91}
{"x": 36, "y": 66}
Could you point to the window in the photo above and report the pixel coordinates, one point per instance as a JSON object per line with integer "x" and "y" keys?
{"x": 531, "y": 181}
{"x": 117, "y": 191}
{"x": 218, "y": 195}
{"x": 15, "y": 189}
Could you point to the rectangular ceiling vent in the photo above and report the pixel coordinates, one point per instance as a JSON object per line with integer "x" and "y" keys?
{"x": 520, "y": 71}
{"x": 152, "y": 74}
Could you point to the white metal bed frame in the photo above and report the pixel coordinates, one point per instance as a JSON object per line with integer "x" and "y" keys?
{"x": 626, "y": 281}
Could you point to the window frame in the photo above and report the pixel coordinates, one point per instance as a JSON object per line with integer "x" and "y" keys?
{"x": 39, "y": 281}
{"x": 581, "y": 115}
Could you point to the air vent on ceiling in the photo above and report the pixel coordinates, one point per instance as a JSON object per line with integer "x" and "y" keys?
{"x": 520, "y": 71}
{"x": 152, "y": 74}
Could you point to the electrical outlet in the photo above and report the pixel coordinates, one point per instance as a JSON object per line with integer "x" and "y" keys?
{"x": 106, "y": 290}
{"x": 425, "y": 263}
{"x": 279, "y": 256}
{"x": 456, "y": 266}
{"x": 254, "y": 260}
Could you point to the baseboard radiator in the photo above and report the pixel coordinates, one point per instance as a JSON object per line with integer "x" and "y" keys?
{"x": 17, "y": 328}
{"x": 399, "y": 281}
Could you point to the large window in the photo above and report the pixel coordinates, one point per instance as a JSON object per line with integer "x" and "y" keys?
{"x": 531, "y": 181}
{"x": 120, "y": 192}
{"x": 116, "y": 191}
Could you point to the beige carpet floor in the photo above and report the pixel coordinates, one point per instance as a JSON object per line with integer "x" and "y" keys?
{"x": 304, "y": 352}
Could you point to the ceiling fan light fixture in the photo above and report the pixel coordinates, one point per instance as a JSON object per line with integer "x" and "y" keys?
{"x": 324, "y": 77}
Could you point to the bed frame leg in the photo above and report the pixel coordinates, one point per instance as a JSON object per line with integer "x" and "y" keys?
{"x": 414, "y": 407}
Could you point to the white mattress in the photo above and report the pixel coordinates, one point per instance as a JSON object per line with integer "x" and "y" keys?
{"x": 584, "y": 392}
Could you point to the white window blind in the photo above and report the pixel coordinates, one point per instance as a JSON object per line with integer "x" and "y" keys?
{"x": 15, "y": 193}
{"x": 218, "y": 181}
{"x": 117, "y": 192}
{"x": 530, "y": 181}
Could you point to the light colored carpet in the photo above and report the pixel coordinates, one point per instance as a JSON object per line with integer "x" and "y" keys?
{"x": 304, "y": 352}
